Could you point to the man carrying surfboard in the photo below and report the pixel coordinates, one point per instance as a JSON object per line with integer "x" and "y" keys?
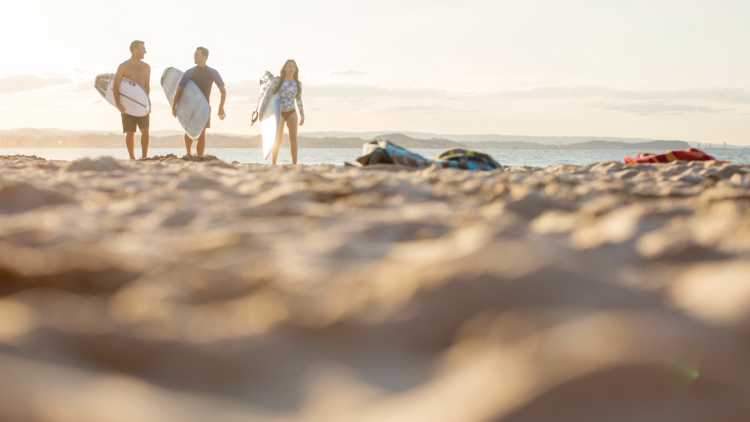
{"x": 139, "y": 72}
{"x": 204, "y": 77}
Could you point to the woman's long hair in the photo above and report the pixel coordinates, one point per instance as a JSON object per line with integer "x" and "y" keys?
{"x": 282, "y": 77}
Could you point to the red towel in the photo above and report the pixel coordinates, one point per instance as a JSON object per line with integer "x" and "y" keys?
{"x": 691, "y": 154}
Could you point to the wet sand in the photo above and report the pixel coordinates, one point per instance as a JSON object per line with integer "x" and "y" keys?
{"x": 173, "y": 290}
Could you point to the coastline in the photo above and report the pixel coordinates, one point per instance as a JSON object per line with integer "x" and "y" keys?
{"x": 335, "y": 293}
{"x": 63, "y": 139}
{"x": 338, "y": 156}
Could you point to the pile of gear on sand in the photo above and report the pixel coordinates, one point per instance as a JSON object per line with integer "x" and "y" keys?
{"x": 386, "y": 152}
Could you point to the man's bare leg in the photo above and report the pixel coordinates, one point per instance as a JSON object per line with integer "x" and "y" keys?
{"x": 201, "y": 145}
{"x": 130, "y": 143}
{"x": 144, "y": 142}
{"x": 188, "y": 144}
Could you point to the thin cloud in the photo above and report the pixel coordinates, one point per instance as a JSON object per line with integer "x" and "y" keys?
{"x": 371, "y": 90}
{"x": 713, "y": 94}
{"x": 552, "y": 92}
{"x": 664, "y": 102}
{"x": 87, "y": 105}
{"x": 247, "y": 87}
{"x": 251, "y": 87}
{"x": 80, "y": 86}
{"x": 423, "y": 109}
{"x": 350, "y": 72}
{"x": 649, "y": 108}
{"x": 416, "y": 109}
{"x": 11, "y": 84}
{"x": 351, "y": 90}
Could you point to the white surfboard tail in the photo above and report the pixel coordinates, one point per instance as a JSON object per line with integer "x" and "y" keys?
{"x": 132, "y": 96}
{"x": 270, "y": 115}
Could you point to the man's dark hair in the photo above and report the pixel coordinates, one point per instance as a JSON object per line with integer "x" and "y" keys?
{"x": 203, "y": 51}
{"x": 135, "y": 44}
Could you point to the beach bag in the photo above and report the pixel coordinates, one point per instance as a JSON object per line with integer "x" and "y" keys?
{"x": 691, "y": 154}
{"x": 386, "y": 152}
{"x": 466, "y": 159}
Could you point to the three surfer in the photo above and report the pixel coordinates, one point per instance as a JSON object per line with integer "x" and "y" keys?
{"x": 289, "y": 88}
{"x": 204, "y": 77}
{"x": 139, "y": 72}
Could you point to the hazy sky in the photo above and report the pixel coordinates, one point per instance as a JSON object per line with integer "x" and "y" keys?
{"x": 660, "y": 69}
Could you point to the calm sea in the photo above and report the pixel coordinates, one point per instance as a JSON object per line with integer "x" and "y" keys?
{"x": 508, "y": 157}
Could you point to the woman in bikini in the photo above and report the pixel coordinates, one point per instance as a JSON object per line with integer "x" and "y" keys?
{"x": 290, "y": 89}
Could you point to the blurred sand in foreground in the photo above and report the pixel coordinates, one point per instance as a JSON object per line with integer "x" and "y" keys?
{"x": 185, "y": 291}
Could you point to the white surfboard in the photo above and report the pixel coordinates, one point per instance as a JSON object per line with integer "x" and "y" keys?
{"x": 132, "y": 96}
{"x": 192, "y": 110}
{"x": 270, "y": 116}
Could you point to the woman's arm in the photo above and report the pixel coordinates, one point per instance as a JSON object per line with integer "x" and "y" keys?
{"x": 301, "y": 109}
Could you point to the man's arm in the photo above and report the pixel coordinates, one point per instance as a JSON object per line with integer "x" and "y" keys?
{"x": 223, "y": 91}
{"x": 180, "y": 87}
{"x": 116, "y": 88}
{"x": 176, "y": 100}
{"x": 148, "y": 81}
{"x": 220, "y": 83}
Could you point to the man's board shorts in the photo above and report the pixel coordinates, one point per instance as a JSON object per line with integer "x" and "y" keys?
{"x": 129, "y": 122}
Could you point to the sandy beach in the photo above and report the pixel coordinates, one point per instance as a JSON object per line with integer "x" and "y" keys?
{"x": 173, "y": 290}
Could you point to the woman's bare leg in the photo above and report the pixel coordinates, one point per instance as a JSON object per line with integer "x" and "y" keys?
{"x": 292, "y": 125}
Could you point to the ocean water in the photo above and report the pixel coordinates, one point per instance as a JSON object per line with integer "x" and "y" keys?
{"x": 508, "y": 157}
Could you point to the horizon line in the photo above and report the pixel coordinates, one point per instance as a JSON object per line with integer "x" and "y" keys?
{"x": 384, "y": 132}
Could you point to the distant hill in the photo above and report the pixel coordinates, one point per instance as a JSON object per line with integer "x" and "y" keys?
{"x": 541, "y": 140}
{"x": 507, "y": 145}
{"x": 645, "y": 146}
{"x": 409, "y": 142}
{"x": 330, "y": 142}
{"x": 56, "y": 138}
{"x": 47, "y": 132}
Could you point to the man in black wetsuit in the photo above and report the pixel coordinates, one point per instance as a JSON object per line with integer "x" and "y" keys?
{"x": 204, "y": 77}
